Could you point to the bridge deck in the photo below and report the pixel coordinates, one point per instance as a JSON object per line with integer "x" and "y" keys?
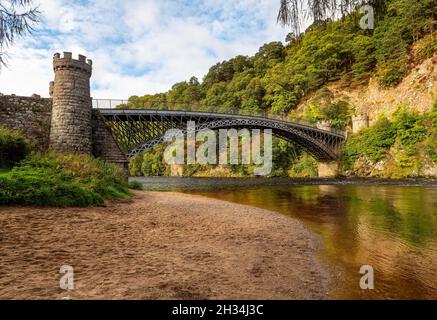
{"x": 124, "y": 113}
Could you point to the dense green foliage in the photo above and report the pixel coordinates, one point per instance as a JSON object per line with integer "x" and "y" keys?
{"x": 277, "y": 78}
{"x": 372, "y": 142}
{"x": 406, "y": 21}
{"x": 150, "y": 164}
{"x": 322, "y": 107}
{"x": 407, "y": 132}
{"x": 61, "y": 180}
{"x": 13, "y": 147}
{"x": 285, "y": 157}
{"x": 411, "y": 130}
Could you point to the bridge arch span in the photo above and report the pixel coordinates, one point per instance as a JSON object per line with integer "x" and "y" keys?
{"x": 137, "y": 130}
{"x": 300, "y": 138}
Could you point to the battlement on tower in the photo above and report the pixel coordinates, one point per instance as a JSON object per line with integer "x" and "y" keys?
{"x": 361, "y": 117}
{"x": 66, "y": 62}
{"x": 324, "y": 125}
{"x": 360, "y": 122}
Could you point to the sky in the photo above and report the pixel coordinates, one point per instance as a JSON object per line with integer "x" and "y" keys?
{"x": 138, "y": 46}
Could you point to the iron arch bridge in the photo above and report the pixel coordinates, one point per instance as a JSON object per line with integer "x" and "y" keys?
{"x": 136, "y": 130}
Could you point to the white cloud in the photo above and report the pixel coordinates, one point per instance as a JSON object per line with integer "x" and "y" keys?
{"x": 139, "y": 46}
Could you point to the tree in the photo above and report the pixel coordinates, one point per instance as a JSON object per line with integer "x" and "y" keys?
{"x": 293, "y": 12}
{"x": 17, "y": 18}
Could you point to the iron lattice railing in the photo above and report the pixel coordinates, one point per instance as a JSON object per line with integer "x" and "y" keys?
{"x": 176, "y": 106}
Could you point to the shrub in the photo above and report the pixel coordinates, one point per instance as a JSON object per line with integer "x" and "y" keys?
{"x": 410, "y": 128}
{"x": 135, "y": 166}
{"x": 425, "y": 47}
{"x": 337, "y": 114}
{"x": 135, "y": 185}
{"x": 13, "y": 147}
{"x": 62, "y": 180}
{"x": 432, "y": 147}
{"x": 434, "y": 116}
{"x": 153, "y": 163}
{"x": 372, "y": 142}
{"x": 312, "y": 113}
{"x": 304, "y": 167}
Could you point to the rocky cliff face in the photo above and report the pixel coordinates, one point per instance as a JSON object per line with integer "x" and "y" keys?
{"x": 417, "y": 91}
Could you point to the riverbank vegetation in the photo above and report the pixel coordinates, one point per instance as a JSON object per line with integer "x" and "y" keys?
{"x": 62, "y": 180}
{"x": 403, "y": 146}
{"x": 54, "y": 179}
{"x": 279, "y": 78}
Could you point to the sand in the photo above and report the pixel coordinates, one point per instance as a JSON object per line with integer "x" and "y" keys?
{"x": 159, "y": 245}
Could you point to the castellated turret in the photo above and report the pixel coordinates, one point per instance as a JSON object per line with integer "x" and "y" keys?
{"x": 72, "y": 106}
{"x": 360, "y": 122}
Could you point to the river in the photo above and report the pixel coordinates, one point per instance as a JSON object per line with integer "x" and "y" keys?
{"x": 392, "y": 228}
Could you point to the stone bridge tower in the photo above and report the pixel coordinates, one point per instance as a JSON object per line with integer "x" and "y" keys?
{"x": 71, "y": 124}
{"x": 360, "y": 122}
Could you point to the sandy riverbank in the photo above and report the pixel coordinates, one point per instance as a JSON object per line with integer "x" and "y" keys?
{"x": 159, "y": 246}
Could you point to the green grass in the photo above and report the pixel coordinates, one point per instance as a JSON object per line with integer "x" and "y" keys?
{"x": 62, "y": 181}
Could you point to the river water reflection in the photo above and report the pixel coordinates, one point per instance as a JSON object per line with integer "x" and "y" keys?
{"x": 391, "y": 228}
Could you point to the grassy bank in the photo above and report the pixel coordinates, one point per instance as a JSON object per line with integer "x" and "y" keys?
{"x": 54, "y": 179}
{"x": 62, "y": 180}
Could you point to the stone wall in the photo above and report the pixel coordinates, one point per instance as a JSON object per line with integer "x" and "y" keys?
{"x": 328, "y": 169}
{"x": 31, "y": 115}
{"x": 104, "y": 145}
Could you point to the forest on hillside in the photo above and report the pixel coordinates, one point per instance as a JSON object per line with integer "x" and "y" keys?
{"x": 279, "y": 76}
